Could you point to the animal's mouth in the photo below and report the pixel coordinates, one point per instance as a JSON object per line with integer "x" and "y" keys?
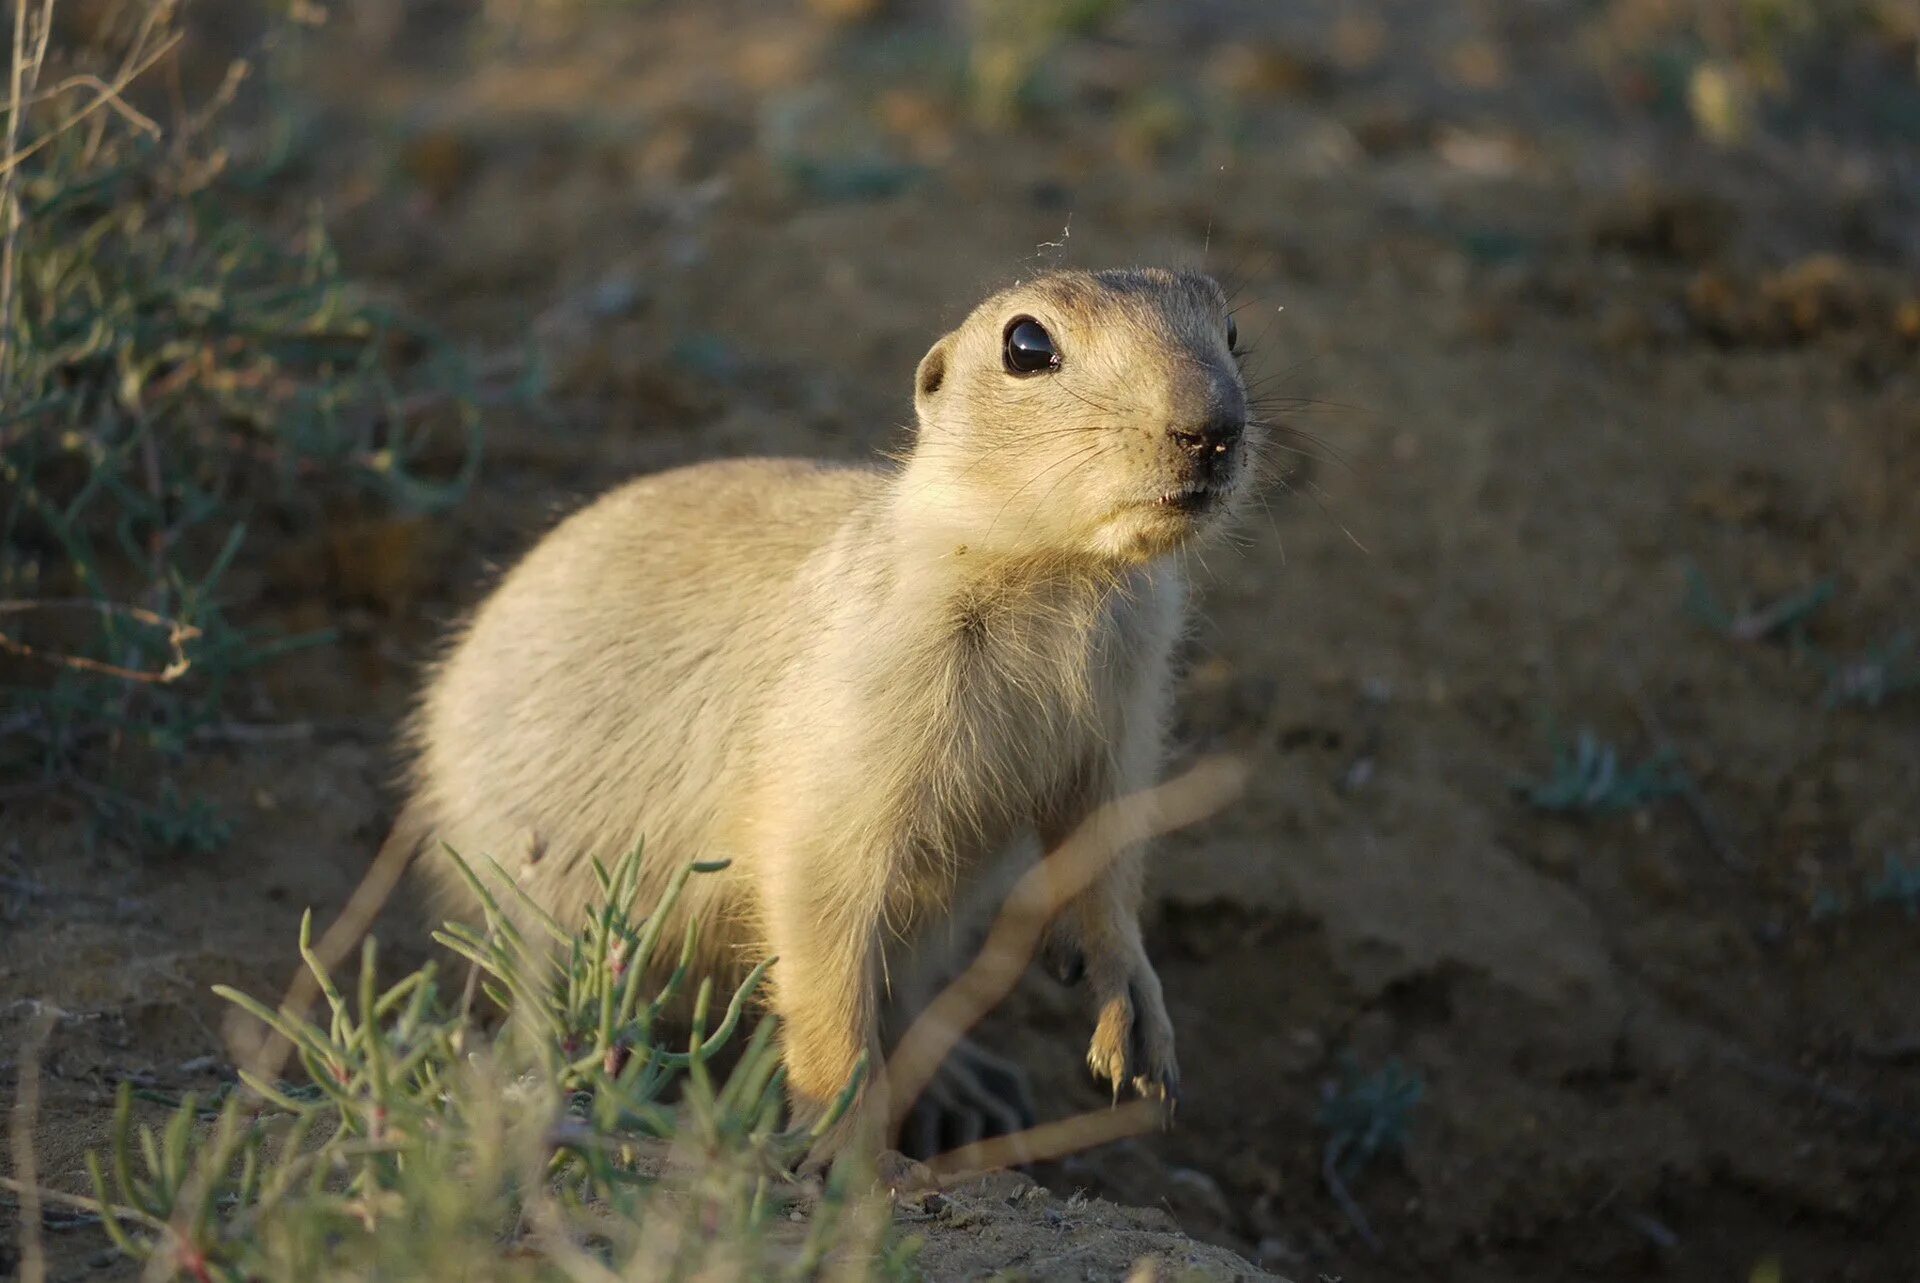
{"x": 1188, "y": 499}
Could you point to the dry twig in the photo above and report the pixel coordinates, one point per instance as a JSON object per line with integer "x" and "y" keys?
{"x": 178, "y": 635}
{"x": 1047, "y": 1141}
{"x": 26, "y": 1112}
{"x": 1036, "y": 899}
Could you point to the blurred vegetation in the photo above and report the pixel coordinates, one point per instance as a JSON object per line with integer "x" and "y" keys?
{"x": 1869, "y": 680}
{"x": 1366, "y": 1116}
{"x": 1897, "y": 885}
{"x": 1590, "y": 776}
{"x": 1729, "y": 64}
{"x": 1010, "y": 43}
{"x": 419, "y": 1148}
{"x": 175, "y": 364}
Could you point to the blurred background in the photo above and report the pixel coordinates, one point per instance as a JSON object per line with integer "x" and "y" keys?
{"x": 1571, "y": 927}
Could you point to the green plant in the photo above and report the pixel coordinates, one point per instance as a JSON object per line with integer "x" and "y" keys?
{"x": 1785, "y": 617}
{"x": 174, "y": 364}
{"x": 1588, "y": 776}
{"x": 420, "y": 1149}
{"x": 1883, "y": 672}
{"x": 1735, "y": 64}
{"x": 1897, "y": 886}
{"x": 1011, "y": 47}
{"x": 1365, "y": 1116}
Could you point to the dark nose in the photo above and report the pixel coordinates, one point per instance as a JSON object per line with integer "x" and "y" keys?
{"x": 1217, "y": 436}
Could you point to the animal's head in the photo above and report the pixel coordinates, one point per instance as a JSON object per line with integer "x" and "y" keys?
{"x": 1087, "y": 414}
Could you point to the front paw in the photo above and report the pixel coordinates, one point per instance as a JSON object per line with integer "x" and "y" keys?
{"x": 1133, "y": 1042}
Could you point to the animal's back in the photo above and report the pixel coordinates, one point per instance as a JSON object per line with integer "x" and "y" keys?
{"x": 604, "y": 694}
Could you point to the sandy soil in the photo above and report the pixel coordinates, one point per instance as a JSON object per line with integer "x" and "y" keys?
{"x": 1547, "y": 351}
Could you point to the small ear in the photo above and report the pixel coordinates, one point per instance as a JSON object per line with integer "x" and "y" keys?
{"x": 932, "y": 373}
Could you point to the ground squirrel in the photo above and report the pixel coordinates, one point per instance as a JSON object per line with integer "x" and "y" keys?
{"x": 867, "y": 686}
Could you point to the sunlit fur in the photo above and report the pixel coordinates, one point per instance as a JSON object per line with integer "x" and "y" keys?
{"x": 864, "y": 686}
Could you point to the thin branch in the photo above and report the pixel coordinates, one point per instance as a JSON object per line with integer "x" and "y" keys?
{"x": 1343, "y": 1197}
{"x": 178, "y": 634}
{"x": 1035, "y": 901}
{"x": 1046, "y": 1142}
{"x": 79, "y": 1202}
{"x": 268, "y": 1056}
{"x": 26, "y": 1112}
{"x": 87, "y": 80}
{"x": 12, "y": 159}
{"x": 24, "y": 77}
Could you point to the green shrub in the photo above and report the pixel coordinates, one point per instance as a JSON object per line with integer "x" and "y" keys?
{"x": 421, "y": 1149}
{"x": 172, "y": 363}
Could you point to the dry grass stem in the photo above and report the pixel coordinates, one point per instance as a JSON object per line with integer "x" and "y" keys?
{"x": 26, "y": 1112}
{"x": 1036, "y": 899}
{"x": 1047, "y": 1141}
{"x": 267, "y": 1057}
{"x": 178, "y": 635}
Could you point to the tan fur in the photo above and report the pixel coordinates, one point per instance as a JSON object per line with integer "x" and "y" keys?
{"x": 863, "y": 686}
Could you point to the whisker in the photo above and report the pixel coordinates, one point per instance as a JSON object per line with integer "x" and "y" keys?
{"x": 1072, "y": 457}
{"x": 1319, "y": 499}
{"x": 1283, "y": 435}
{"x": 1278, "y": 541}
{"x": 1067, "y": 476}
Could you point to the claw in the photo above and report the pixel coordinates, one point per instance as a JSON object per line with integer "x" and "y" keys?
{"x": 1066, "y": 965}
{"x": 899, "y": 1175}
{"x": 1136, "y": 1031}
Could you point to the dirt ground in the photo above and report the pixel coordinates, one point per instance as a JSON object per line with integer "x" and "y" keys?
{"x": 1550, "y": 351}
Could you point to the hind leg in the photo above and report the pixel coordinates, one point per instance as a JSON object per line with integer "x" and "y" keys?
{"x": 974, "y": 1096}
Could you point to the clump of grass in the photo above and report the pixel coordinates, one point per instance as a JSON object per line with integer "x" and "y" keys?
{"x": 1884, "y": 671}
{"x": 173, "y": 364}
{"x": 1896, "y": 886}
{"x": 1590, "y": 777}
{"x": 1786, "y": 617}
{"x": 1366, "y": 1116}
{"x": 1012, "y": 43}
{"x": 1732, "y": 64}
{"x": 420, "y": 1149}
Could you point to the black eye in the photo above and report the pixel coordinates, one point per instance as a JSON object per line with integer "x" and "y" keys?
{"x": 1030, "y": 348}
{"x": 1233, "y": 336}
